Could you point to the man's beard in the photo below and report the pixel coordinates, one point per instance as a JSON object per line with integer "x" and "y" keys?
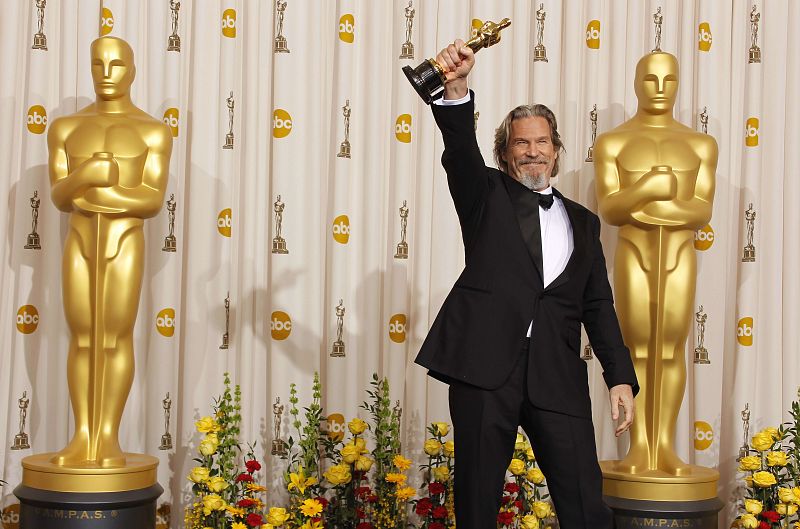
{"x": 534, "y": 179}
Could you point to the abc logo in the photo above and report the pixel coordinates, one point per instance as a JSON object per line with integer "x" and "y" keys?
{"x": 106, "y": 21}
{"x": 347, "y": 28}
{"x": 165, "y": 322}
{"x": 397, "y": 328}
{"x": 751, "y": 132}
{"x": 703, "y": 435}
{"x": 402, "y": 128}
{"x": 162, "y": 516}
{"x": 704, "y": 37}
{"x": 744, "y": 331}
{"x": 341, "y": 229}
{"x": 171, "y": 119}
{"x": 229, "y": 23}
{"x": 280, "y": 325}
{"x": 281, "y": 123}
{"x": 27, "y": 319}
{"x": 476, "y": 25}
{"x": 704, "y": 238}
{"x": 10, "y": 517}
{"x": 224, "y": 222}
{"x": 37, "y": 119}
{"x": 336, "y": 426}
{"x": 593, "y": 34}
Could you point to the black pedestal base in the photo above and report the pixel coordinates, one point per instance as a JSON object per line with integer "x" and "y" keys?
{"x": 629, "y": 514}
{"x": 44, "y": 509}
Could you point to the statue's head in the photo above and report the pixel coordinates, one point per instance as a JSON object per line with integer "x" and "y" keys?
{"x": 113, "y": 70}
{"x": 656, "y": 82}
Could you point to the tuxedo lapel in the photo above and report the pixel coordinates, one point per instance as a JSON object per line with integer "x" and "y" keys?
{"x": 526, "y": 210}
{"x": 578, "y": 239}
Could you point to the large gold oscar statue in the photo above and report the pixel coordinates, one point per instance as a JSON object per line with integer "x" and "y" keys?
{"x": 108, "y": 165}
{"x": 655, "y": 180}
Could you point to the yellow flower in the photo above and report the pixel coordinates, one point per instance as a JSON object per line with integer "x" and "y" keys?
{"x": 310, "y": 524}
{"x": 235, "y": 511}
{"x": 356, "y": 426}
{"x": 432, "y": 447}
{"x": 750, "y": 463}
{"x": 442, "y": 428}
{"x": 776, "y": 459}
{"x": 255, "y": 487}
{"x": 394, "y": 477}
{"x": 404, "y": 493}
{"x": 277, "y": 516}
{"x": 199, "y": 474}
{"x": 772, "y": 432}
{"x": 753, "y": 506}
{"x": 529, "y": 521}
{"x": 361, "y": 444}
{"x": 449, "y": 449}
{"x": 542, "y": 509}
{"x": 796, "y": 491}
{"x": 535, "y": 475}
{"x": 338, "y": 474}
{"x": 238, "y": 525}
{"x": 764, "y": 479}
{"x": 300, "y": 482}
{"x": 311, "y": 507}
{"x": 212, "y": 502}
{"x": 209, "y": 445}
{"x": 748, "y": 521}
{"x": 350, "y": 453}
{"x": 207, "y": 425}
{"x": 762, "y": 441}
{"x": 786, "y": 509}
{"x": 217, "y": 484}
{"x": 363, "y": 463}
{"x": 517, "y": 466}
{"x": 401, "y": 462}
{"x": 529, "y": 454}
{"x": 786, "y": 495}
{"x": 519, "y": 444}
{"x": 441, "y": 473}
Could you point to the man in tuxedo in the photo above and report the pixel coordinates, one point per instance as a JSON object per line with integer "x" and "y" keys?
{"x": 507, "y": 337}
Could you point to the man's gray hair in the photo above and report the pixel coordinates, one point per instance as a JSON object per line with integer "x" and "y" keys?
{"x": 502, "y": 132}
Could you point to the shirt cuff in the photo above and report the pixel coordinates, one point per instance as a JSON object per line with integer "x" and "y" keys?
{"x": 450, "y": 102}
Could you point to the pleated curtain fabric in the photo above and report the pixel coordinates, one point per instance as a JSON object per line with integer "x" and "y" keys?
{"x": 322, "y": 137}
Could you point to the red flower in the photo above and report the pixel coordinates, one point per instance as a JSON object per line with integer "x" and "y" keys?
{"x": 772, "y": 516}
{"x": 363, "y": 491}
{"x": 518, "y": 505}
{"x": 436, "y": 488}
{"x": 364, "y": 525}
{"x": 436, "y": 525}
{"x": 254, "y": 520}
{"x": 440, "y": 512}
{"x": 360, "y": 513}
{"x": 763, "y": 525}
{"x": 513, "y": 488}
{"x": 506, "y": 499}
{"x": 244, "y": 477}
{"x": 372, "y": 498}
{"x": 322, "y": 501}
{"x": 423, "y": 506}
{"x": 247, "y": 502}
{"x": 505, "y": 518}
{"x": 252, "y": 465}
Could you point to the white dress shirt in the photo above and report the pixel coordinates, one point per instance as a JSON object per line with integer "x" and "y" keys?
{"x": 556, "y": 230}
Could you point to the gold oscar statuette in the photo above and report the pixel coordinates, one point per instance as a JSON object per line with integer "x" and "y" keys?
{"x": 166, "y": 437}
{"x": 704, "y": 120}
{"x": 170, "y": 242}
{"x": 749, "y": 253}
{"x": 407, "y": 49}
{"x": 344, "y": 147}
{"x": 279, "y": 446}
{"x": 402, "y": 246}
{"x": 338, "y": 350}
{"x": 21, "y": 440}
{"x": 754, "y": 53}
{"x": 108, "y": 167}
{"x": 34, "y": 242}
{"x": 226, "y": 335}
{"x": 281, "y": 46}
{"x": 229, "y": 101}
{"x": 587, "y": 352}
{"x": 593, "y": 121}
{"x": 700, "y": 352}
{"x": 658, "y": 21}
{"x": 539, "y": 51}
{"x": 428, "y": 78}
{"x": 278, "y": 242}
{"x": 744, "y": 450}
{"x": 174, "y": 43}
{"x": 39, "y": 38}
{"x": 655, "y": 180}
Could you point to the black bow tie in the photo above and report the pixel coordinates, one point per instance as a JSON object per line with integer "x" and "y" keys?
{"x": 545, "y": 201}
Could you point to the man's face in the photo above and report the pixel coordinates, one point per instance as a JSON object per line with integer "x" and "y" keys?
{"x": 112, "y": 68}
{"x": 530, "y": 154}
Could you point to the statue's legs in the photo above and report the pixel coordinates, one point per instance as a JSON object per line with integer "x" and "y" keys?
{"x": 654, "y": 296}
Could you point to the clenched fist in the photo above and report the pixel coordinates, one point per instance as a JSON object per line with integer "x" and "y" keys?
{"x": 456, "y": 61}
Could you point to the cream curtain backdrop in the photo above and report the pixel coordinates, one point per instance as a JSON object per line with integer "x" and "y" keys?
{"x": 341, "y": 221}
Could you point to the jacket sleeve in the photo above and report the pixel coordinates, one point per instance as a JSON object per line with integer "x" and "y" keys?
{"x": 467, "y": 175}
{"x": 600, "y": 320}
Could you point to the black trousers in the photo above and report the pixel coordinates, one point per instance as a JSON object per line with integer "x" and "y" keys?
{"x": 485, "y": 428}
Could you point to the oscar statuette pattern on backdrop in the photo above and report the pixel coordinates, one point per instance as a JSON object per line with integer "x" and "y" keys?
{"x": 309, "y": 226}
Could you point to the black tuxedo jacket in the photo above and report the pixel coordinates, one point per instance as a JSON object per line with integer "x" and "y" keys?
{"x": 482, "y": 325}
